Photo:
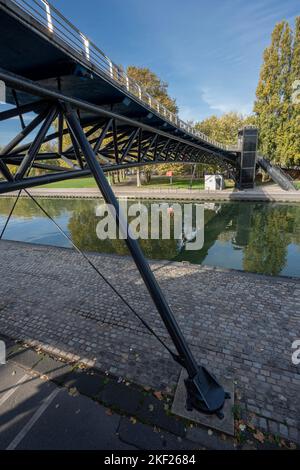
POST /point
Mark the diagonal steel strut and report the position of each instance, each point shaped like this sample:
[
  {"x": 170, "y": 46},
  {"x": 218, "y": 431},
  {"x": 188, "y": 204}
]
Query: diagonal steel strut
[
  {"x": 204, "y": 392},
  {"x": 122, "y": 143}
]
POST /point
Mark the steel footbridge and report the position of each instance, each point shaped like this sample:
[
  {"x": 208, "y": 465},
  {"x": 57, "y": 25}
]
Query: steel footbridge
[
  {"x": 63, "y": 88},
  {"x": 48, "y": 65}
]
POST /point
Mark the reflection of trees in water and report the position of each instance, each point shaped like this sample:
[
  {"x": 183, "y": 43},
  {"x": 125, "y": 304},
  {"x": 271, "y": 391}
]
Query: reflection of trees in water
[
  {"x": 215, "y": 224},
  {"x": 27, "y": 209},
  {"x": 82, "y": 226},
  {"x": 263, "y": 231},
  {"x": 269, "y": 237}
]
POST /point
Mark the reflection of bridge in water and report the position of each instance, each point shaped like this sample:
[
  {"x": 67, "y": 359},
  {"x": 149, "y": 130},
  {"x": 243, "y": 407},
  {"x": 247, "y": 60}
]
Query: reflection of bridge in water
[{"x": 263, "y": 234}]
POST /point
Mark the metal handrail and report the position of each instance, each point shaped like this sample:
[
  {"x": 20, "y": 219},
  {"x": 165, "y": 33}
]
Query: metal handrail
[{"x": 62, "y": 30}]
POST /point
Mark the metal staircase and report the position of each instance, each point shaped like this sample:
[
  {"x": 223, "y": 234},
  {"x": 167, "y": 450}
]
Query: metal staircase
[{"x": 277, "y": 174}]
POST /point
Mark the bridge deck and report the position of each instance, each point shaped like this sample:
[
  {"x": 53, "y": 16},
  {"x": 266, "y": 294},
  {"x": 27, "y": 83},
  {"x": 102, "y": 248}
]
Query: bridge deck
[{"x": 56, "y": 55}]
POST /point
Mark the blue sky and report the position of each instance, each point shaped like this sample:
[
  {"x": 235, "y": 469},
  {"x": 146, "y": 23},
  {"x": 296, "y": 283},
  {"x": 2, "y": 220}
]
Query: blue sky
[{"x": 209, "y": 51}]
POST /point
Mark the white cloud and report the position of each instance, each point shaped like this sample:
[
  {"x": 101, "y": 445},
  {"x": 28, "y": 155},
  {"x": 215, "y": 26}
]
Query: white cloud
[
  {"x": 222, "y": 103},
  {"x": 187, "y": 113}
]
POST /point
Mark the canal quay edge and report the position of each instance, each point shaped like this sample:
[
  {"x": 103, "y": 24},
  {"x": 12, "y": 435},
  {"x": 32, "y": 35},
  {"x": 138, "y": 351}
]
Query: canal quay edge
[
  {"x": 255, "y": 366},
  {"x": 259, "y": 195}
]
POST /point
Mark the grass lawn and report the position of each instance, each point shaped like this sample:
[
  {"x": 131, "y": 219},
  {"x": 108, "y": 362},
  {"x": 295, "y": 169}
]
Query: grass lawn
[
  {"x": 76, "y": 183},
  {"x": 155, "y": 183},
  {"x": 178, "y": 183},
  {"x": 297, "y": 184}
]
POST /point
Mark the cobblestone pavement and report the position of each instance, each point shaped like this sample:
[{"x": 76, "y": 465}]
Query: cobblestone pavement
[{"x": 240, "y": 325}]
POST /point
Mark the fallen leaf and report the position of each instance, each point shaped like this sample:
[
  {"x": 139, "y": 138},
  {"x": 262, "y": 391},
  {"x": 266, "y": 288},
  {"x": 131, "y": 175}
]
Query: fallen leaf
[
  {"x": 251, "y": 426},
  {"x": 259, "y": 437},
  {"x": 109, "y": 412},
  {"x": 283, "y": 443},
  {"x": 158, "y": 395},
  {"x": 73, "y": 392}
]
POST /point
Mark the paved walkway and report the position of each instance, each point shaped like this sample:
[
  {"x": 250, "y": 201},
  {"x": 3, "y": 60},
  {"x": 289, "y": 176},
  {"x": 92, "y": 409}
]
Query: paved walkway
[
  {"x": 239, "y": 325},
  {"x": 264, "y": 193},
  {"x": 37, "y": 414},
  {"x": 46, "y": 403}
]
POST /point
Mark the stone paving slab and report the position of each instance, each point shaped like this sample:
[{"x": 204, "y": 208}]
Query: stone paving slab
[
  {"x": 20, "y": 407},
  {"x": 240, "y": 326},
  {"x": 147, "y": 438},
  {"x": 159, "y": 430},
  {"x": 225, "y": 425},
  {"x": 74, "y": 423},
  {"x": 70, "y": 420},
  {"x": 26, "y": 358}
]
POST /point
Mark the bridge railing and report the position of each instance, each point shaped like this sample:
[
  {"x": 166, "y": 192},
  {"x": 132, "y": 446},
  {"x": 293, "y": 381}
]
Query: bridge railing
[{"x": 59, "y": 29}]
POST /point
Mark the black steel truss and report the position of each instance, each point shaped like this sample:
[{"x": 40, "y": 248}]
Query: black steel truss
[
  {"x": 118, "y": 142},
  {"x": 101, "y": 141}
]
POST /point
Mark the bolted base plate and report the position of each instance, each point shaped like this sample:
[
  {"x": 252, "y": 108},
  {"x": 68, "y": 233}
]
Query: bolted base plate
[
  {"x": 205, "y": 393},
  {"x": 225, "y": 425}
]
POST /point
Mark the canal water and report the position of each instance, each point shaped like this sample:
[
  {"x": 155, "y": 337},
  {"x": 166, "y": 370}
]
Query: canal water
[{"x": 255, "y": 237}]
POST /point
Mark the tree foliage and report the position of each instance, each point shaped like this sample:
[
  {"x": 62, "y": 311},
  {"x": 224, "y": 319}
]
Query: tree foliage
[
  {"x": 176, "y": 168},
  {"x": 277, "y": 115},
  {"x": 153, "y": 85},
  {"x": 225, "y": 128}
]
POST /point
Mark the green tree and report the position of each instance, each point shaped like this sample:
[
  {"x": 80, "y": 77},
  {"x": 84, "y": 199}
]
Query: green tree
[
  {"x": 294, "y": 134},
  {"x": 176, "y": 168},
  {"x": 225, "y": 128},
  {"x": 158, "y": 89},
  {"x": 153, "y": 85},
  {"x": 267, "y": 101},
  {"x": 284, "y": 113},
  {"x": 277, "y": 115}
]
